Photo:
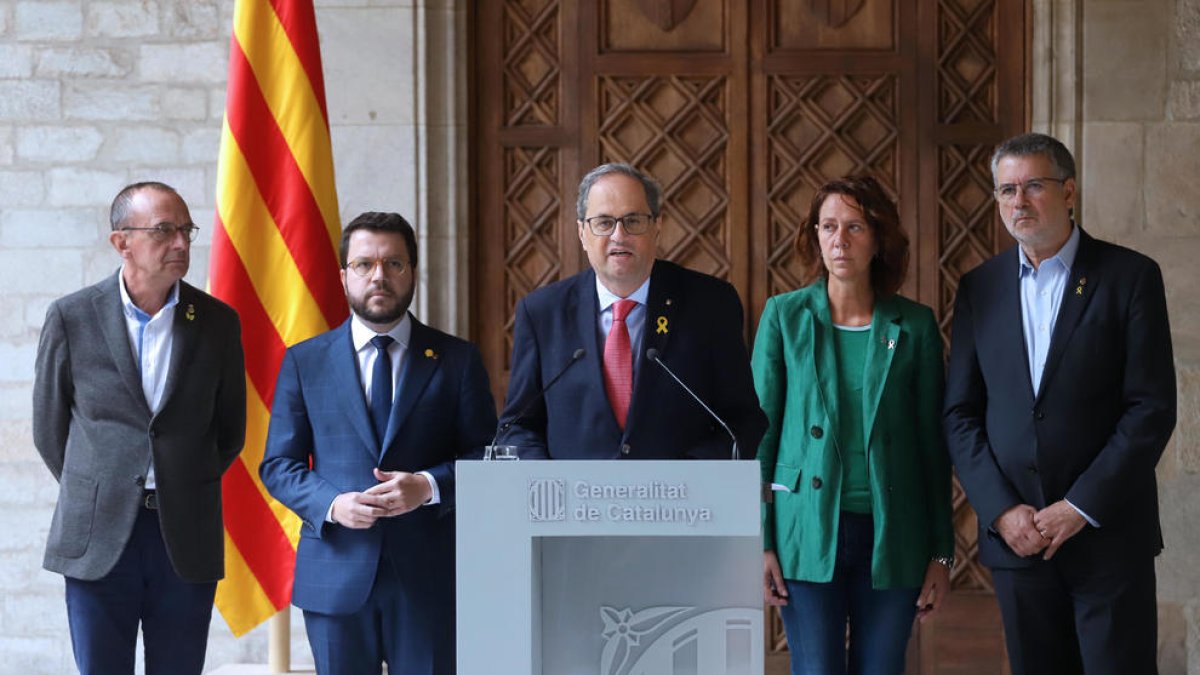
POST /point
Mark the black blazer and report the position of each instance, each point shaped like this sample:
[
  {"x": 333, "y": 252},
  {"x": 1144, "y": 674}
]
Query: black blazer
[
  {"x": 693, "y": 320},
  {"x": 1103, "y": 414}
]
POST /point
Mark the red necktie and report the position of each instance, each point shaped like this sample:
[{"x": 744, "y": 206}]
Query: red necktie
[{"x": 618, "y": 362}]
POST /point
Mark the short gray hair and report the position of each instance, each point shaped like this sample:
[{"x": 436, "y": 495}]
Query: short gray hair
[
  {"x": 653, "y": 191},
  {"x": 119, "y": 211},
  {"x": 1026, "y": 145}
]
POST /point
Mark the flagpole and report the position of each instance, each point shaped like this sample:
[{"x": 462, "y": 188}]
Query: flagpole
[{"x": 279, "y": 647}]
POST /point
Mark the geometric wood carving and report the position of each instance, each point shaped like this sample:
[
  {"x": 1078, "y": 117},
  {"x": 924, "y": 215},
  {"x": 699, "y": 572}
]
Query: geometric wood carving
[
  {"x": 666, "y": 14},
  {"x": 966, "y": 233},
  {"x": 675, "y": 129},
  {"x": 966, "y": 61},
  {"x": 531, "y": 63},
  {"x": 822, "y": 127},
  {"x": 532, "y": 229}
]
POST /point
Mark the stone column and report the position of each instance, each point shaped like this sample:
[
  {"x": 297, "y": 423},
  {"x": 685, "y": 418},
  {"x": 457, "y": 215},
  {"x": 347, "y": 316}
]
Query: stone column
[{"x": 396, "y": 77}]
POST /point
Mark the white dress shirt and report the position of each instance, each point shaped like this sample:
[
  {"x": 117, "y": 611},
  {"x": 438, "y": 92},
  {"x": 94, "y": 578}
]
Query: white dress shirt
[
  {"x": 365, "y": 352},
  {"x": 150, "y": 338},
  {"x": 1042, "y": 291}
]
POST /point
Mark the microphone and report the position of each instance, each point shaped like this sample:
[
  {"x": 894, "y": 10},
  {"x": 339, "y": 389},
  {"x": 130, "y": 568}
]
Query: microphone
[
  {"x": 652, "y": 354},
  {"x": 576, "y": 356}
]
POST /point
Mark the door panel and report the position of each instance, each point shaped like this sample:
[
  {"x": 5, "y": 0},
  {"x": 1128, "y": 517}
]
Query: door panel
[{"x": 741, "y": 110}]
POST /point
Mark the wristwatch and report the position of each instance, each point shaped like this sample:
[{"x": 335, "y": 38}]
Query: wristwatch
[{"x": 947, "y": 560}]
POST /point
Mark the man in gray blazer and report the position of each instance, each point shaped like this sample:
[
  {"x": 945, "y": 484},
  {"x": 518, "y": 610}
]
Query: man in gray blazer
[{"x": 139, "y": 406}]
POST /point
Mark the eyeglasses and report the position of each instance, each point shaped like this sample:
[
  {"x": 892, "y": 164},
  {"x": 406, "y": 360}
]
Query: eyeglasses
[
  {"x": 633, "y": 223},
  {"x": 1033, "y": 188},
  {"x": 167, "y": 231},
  {"x": 365, "y": 267}
]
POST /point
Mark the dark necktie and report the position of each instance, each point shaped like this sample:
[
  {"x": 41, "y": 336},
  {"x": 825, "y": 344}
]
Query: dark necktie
[
  {"x": 381, "y": 386},
  {"x": 618, "y": 362}
]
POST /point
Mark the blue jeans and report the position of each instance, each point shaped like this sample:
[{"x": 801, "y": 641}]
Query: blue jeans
[
  {"x": 142, "y": 589},
  {"x": 880, "y": 621}
]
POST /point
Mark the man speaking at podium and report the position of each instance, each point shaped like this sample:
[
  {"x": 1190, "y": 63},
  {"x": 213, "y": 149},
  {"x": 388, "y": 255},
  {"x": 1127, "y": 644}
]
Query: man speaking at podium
[{"x": 594, "y": 355}]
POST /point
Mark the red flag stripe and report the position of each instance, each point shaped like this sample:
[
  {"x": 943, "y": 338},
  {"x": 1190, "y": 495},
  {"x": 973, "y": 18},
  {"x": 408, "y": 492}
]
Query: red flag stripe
[
  {"x": 260, "y": 340},
  {"x": 257, "y": 534},
  {"x": 283, "y": 187}
]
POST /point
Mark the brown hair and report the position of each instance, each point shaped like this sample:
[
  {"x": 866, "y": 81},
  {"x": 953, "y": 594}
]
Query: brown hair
[
  {"x": 378, "y": 221},
  {"x": 889, "y": 267}
]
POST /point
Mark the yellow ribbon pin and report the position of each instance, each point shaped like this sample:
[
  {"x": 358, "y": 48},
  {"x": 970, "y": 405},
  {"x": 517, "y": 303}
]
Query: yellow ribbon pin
[
  {"x": 430, "y": 354},
  {"x": 190, "y": 314},
  {"x": 662, "y": 325}
]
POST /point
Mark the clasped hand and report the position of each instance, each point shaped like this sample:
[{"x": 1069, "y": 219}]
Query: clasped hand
[
  {"x": 396, "y": 493},
  {"x": 1028, "y": 531}
]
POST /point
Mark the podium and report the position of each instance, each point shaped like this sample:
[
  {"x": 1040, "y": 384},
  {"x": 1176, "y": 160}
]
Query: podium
[{"x": 609, "y": 567}]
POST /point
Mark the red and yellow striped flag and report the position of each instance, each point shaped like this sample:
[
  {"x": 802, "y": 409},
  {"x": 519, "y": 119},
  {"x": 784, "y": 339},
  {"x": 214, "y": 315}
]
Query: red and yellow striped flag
[{"x": 274, "y": 259}]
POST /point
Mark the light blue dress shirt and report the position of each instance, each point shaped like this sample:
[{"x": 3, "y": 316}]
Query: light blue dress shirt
[
  {"x": 151, "y": 338},
  {"x": 635, "y": 321},
  {"x": 1041, "y": 296},
  {"x": 1042, "y": 290}
]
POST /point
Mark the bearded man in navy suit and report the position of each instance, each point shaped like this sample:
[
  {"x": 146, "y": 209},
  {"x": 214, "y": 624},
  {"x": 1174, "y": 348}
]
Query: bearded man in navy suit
[
  {"x": 613, "y": 401},
  {"x": 367, "y": 422},
  {"x": 1059, "y": 402}
]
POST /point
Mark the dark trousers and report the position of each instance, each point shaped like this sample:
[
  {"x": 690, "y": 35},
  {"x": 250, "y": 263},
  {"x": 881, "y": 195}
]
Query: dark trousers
[
  {"x": 1073, "y": 616},
  {"x": 817, "y": 614},
  {"x": 413, "y": 637},
  {"x": 142, "y": 588}
]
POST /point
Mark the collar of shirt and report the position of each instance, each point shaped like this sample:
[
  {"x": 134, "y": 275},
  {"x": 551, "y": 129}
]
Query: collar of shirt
[
  {"x": 361, "y": 335},
  {"x": 607, "y": 297},
  {"x": 365, "y": 354},
  {"x": 151, "y": 341},
  {"x": 1064, "y": 258},
  {"x": 131, "y": 310}
]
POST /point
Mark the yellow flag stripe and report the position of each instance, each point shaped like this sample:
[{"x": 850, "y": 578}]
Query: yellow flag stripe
[
  {"x": 258, "y": 419},
  {"x": 240, "y": 599}
]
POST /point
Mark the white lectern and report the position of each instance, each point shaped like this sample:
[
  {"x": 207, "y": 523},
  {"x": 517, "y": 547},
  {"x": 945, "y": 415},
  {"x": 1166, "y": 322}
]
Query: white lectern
[{"x": 609, "y": 567}]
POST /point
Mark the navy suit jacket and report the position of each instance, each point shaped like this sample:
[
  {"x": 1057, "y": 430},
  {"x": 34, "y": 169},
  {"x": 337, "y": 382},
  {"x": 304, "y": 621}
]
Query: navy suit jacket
[
  {"x": 443, "y": 410},
  {"x": 1102, "y": 416},
  {"x": 693, "y": 320}
]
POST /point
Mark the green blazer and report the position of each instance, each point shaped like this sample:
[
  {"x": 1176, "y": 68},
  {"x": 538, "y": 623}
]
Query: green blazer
[{"x": 795, "y": 374}]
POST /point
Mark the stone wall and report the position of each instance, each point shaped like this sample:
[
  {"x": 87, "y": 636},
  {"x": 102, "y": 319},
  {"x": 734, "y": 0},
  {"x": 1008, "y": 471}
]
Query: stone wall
[
  {"x": 1140, "y": 166},
  {"x": 96, "y": 94}
]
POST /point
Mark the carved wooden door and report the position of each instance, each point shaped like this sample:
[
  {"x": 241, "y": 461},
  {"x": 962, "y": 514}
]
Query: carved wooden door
[{"x": 741, "y": 109}]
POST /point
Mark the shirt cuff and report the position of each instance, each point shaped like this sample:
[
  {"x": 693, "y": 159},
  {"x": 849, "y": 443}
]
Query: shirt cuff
[
  {"x": 1091, "y": 521},
  {"x": 436, "y": 495},
  {"x": 329, "y": 512}
]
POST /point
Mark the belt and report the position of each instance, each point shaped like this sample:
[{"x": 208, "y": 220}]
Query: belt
[{"x": 150, "y": 500}]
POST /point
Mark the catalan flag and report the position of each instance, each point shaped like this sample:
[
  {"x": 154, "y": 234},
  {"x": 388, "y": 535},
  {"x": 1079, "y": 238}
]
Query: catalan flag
[{"x": 274, "y": 259}]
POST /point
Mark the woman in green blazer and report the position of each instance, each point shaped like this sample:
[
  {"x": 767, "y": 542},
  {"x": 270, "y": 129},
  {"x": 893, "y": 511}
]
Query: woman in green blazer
[{"x": 850, "y": 376}]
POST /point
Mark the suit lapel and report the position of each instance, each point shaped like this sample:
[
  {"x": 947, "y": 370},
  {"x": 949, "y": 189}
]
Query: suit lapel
[
  {"x": 1079, "y": 289},
  {"x": 343, "y": 365},
  {"x": 584, "y": 306},
  {"x": 420, "y": 362},
  {"x": 824, "y": 356},
  {"x": 881, "y": 350},
  {"x": 662, "y": 306},
  {"x": 111, "y": 319},
  {"x": 184, "y": 327},
  {"x": 1005, "y": 325}
]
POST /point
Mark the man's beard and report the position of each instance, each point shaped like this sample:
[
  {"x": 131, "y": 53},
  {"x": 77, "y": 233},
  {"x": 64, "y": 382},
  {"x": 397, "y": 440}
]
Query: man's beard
[{"x": 382, "y": 315}]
